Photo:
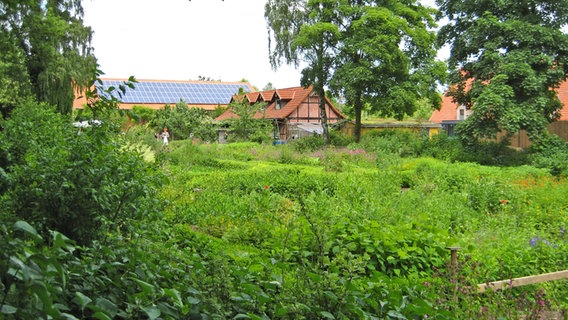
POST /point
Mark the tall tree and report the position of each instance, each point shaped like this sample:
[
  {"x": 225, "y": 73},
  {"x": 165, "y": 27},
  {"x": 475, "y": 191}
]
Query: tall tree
[
  {"x": 508, "y": 57},
  {"x": 304, "y": 31},
  {"x": 387, "y": 57},
  {"x": 48, "y": 40}
]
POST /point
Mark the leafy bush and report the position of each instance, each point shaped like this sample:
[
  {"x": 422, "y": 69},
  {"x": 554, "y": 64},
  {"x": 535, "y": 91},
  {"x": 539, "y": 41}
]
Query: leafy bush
[
  {"x": 550, "y": 152},
  {"x": 339, "y": 139},
  {"x": 141, "y": 114},
  {"x": 310, "y": 143},
  {"x": 79, "y": 182},
  {"x": 184, "y": 122},
  {"x": 249, "y": 123},
  {"x": 399, "y": 142},
  {"x": 443, "y": 147}
]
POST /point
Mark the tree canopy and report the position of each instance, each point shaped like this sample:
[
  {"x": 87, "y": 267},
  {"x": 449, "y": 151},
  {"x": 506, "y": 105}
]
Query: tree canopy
[
  {"x": 386, "y": 57},
  {"x": 48, "y": 52},
  {"x": 508, "y": 58},
  {"x": 377, "y": 52}
]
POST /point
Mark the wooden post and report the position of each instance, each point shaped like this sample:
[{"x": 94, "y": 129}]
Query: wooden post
[
  {"x": 453, "y": 269},
  {"x": 453, "y": 258}
]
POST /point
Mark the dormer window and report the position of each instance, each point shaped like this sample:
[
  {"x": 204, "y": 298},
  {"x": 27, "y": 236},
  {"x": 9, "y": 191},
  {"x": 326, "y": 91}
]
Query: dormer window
[
  {"x": 462, "y": 113},
  {"x": 279, "y": 104}
]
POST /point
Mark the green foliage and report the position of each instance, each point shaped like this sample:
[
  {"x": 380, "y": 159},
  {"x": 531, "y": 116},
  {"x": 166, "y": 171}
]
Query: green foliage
[
  {"x": 80, "y": 182},
  {"x": 184, "y": 122},
  {"x": 339, "y": 139},
  {"x": 506, "y": 63},
  {"x": 424, "y": 109},
  {"x": 550, "y": 152},
  {"x": 400, "y": 142},
  {"x": 384, "y": 238},
  {"x": 408, "y": 143},
  {"x": 219, "y": 110},
  {"x": 141, "y": 114},
  {"x": 386, "y": 58},
  {"x": 47, "y": 51},
  {"x": 249, "y": 123},
  {"x": 311, "y": 143},
  {"x": 444, "y": 147},
  {"x": 304, "y": 31},
  {"x": 236, "y": 234}
]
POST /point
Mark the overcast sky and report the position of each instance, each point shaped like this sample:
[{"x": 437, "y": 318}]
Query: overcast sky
[{"x": 182, "y": 39}]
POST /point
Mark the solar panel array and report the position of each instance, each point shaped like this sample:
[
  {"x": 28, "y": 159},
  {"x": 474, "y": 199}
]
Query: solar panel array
[{"x": 173, "y": 92}]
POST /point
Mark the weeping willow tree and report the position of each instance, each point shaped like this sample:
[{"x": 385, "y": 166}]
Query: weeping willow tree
[{"x": 49, "y": 48}]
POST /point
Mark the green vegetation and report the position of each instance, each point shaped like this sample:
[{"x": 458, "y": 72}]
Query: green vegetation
[
  {"x": 371, "y": 53},
  {"x": 46, "y": 52},
  {"x": 507, "y": 57},
  {"x": 253, "y": 231},
  {"x": 184, "y": 122},
  {"x": 101, "y": 221}
]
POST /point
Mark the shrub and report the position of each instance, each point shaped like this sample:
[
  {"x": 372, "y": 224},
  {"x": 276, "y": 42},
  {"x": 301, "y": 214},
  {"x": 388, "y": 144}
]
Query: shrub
[
  {"x": 339, "y": 139},
  {"x": 550, "y": 152},
  {"x": 310, "y": 143},
  {"x": 444, "y": 147},
  {"x": 76, "y": 181},
  {"x": 400, "y": 142},
  {"x": 184, "y": 122},
  {"x": 141, "y": 114}
]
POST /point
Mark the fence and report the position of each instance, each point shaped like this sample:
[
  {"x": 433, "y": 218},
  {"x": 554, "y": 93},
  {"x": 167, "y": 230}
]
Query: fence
[
  {"x": 521, "y": 139},
  {"x": 517, "y": 282},
  {"x": 509, "y": 283}
]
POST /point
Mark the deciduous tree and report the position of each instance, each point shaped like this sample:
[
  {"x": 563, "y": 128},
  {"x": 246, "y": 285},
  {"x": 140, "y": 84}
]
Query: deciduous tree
[
  {"x": 508, "y": 57},
  {"x": 386, "y": 57}
]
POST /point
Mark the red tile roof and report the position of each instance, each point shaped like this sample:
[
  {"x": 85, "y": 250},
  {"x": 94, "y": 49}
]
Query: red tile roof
[
  {"x": 448, "y": 110},
  {"x": 292, "y": 96}
]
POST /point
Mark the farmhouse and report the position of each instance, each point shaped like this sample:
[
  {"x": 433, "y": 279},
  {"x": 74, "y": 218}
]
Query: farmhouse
[
  {"x": 451, "y": 113},
  {"x": 294, "y": 111},
  {"x": 155, "y": 94}
]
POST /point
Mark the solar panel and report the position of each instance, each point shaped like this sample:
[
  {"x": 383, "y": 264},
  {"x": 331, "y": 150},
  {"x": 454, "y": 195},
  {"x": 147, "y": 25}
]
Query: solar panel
[{"x": 173, "y": 92}]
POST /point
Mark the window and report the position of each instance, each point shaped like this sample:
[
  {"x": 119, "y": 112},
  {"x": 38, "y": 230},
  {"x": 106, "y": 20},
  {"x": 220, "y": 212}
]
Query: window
[
  {"x": 279, "y": 104},
  {"x": 462, "y": 113}
]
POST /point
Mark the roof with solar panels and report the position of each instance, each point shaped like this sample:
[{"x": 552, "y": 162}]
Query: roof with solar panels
[{"x": 156, "y": 94}]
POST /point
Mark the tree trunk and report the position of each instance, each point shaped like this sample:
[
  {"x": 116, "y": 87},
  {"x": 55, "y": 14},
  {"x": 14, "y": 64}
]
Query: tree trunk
[
  {"x": 323, "y": 115},
  {"x": 358, "y": 108}
]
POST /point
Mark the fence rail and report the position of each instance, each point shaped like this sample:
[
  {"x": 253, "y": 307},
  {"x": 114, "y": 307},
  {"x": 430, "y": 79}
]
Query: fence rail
[{"x": 517, "y": 282}]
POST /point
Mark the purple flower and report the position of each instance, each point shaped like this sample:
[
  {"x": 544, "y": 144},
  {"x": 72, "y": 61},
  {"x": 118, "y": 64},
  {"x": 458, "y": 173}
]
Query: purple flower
[{"x": 533, "y": 242}]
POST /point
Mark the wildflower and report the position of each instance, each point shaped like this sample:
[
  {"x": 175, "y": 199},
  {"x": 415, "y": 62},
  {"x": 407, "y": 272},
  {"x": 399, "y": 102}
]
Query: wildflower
[
  {"x": 483, "y": 309},
  {"x": 504, "y": 201},
  {"x": 266, "y": 187},
  {"x": 425, "y": 316},
  {"x": 533, "y": 242},
  {"x": 426, "y": 284}
]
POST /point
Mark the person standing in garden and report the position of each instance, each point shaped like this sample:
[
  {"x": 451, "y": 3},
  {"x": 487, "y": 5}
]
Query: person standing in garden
[{"x": 165, "y": 136}]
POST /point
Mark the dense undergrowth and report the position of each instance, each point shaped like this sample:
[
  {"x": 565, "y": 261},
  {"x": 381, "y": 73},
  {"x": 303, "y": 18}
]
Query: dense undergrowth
[{"x": 250, "y": 231}]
